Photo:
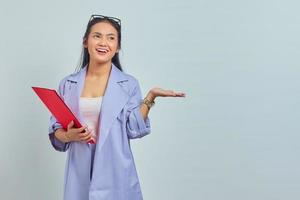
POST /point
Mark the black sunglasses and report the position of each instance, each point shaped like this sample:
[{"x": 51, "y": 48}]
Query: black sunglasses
[{"x": 117, "y": 20}]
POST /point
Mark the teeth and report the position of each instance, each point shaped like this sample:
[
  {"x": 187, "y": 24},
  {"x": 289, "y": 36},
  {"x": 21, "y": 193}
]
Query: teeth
[{"x": 102, "y": 50}]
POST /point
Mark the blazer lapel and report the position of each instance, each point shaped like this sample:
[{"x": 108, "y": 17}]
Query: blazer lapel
[
  {"x": 75, "y": 92},
  {"x": 115, "y": 98}
]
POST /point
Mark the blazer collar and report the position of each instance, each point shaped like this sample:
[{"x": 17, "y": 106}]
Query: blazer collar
[
  {"x": 116, "y": 75},
  {"x": 115, "y": 98}
]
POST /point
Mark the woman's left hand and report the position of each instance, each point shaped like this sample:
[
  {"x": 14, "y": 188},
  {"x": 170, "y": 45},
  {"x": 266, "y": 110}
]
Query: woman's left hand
[{"x": 159, "y": 92}]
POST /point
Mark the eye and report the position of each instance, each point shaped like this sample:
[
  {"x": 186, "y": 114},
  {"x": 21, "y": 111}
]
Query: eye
[
  {"x": 111, "y": 38},
  {"x": 96, "y": 36}
]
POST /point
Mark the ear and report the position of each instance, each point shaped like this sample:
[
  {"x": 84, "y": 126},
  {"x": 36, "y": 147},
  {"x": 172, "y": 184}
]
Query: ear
[{"x": 84, "y": 42}]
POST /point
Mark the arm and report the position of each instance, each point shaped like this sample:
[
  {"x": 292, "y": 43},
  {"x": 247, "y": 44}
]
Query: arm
[
  {"x": 137, "y": 121},
  {"x": 54, "y": 128},
  {"x": 157, "y": 92},
  {"x": 60, "y": 138},
  {"x": 136, "y": 118},
  {"x": 54, "y": 125}
]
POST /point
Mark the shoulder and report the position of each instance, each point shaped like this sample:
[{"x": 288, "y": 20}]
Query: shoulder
[
  {"x": 131, "y": 79},
  {"x": 68, "y": 79},
  {"x": 73, "y": 77},
  {"x": 129, "y": 82}
]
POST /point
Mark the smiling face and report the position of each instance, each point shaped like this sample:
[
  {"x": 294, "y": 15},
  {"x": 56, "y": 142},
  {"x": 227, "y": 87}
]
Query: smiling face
[{"x": 102, "y": 42}]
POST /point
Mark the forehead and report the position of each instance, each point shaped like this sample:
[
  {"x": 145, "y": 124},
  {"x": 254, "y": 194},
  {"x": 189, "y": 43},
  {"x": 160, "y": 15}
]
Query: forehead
[{"x": 103, "y": 27}]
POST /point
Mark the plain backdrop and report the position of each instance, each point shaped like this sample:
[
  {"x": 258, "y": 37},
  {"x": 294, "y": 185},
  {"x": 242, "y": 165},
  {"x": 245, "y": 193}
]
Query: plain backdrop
[{"x": 235, "y": 135}]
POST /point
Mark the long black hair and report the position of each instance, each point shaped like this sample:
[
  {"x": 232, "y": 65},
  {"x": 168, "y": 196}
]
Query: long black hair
[{"x": 85, "y": 56}]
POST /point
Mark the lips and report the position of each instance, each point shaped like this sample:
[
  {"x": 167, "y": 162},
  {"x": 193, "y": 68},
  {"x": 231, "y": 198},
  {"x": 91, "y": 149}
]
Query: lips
[{"x": 102, "y": 50}]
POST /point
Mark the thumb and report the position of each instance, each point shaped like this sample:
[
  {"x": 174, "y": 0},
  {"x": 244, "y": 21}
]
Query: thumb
[{"x": 70, "y": 125}]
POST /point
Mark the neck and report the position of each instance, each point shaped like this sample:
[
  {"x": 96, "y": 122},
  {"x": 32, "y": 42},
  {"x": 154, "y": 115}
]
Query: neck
[{"x": 98, "y": 70}]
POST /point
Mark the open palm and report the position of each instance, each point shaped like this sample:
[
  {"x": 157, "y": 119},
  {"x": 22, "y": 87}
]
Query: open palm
[{"x": 159, "y": 92}]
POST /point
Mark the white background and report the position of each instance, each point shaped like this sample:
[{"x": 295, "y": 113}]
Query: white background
[{"x": 236, "y": 134}]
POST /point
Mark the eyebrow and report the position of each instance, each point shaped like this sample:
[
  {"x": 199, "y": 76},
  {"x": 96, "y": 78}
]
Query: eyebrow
[{"x": 109, "y": 34}]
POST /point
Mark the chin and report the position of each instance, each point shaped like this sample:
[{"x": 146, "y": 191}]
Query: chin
[{"x": 102, "y": 61}]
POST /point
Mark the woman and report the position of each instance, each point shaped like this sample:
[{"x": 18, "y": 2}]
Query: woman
[{"x": 100, "y": 165}]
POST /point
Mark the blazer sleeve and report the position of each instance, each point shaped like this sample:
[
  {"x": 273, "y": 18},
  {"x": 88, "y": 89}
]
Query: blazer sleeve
[
  {"x": 136, "y": 126},
  {"x": 54, "y": 125}
]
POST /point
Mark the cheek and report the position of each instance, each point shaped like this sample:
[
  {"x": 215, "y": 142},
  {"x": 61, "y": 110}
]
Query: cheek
[
  {"x": 90, "y": 42},
  {"x": 115, "y": 46},
  {"x": 91, "y": 48}
]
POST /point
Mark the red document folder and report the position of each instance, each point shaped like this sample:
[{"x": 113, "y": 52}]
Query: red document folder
[{"x": 58, "y": 108}]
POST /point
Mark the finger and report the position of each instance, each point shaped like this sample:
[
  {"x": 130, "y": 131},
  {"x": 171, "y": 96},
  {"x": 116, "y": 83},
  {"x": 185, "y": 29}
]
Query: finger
[
  {"x": 167, "y": 92},
  {"x": 87, "y": 137},
  {"x": 170, "y": 93},
  {"x": 70, "y": 125},
  {"x": 82, "y": 129},
  {"x": 180, "y": 94},
  {"x": 90, "y": 139},
  {"x": 84, "y": 134}
]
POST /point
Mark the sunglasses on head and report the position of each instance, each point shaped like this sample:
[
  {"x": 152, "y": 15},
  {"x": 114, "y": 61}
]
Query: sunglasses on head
[{"x": 117, "y": 20}]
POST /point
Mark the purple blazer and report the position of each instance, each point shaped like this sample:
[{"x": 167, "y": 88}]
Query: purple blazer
[{"x": 114, "y": 176}]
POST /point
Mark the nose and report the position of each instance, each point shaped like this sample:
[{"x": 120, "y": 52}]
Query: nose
[{"x": 102, "y": 42}]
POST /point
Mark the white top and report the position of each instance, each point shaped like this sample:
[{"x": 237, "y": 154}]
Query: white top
[{"x": 90, "y": 108}]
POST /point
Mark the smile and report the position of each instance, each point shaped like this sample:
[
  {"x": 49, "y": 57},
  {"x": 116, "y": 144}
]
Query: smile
[{"x": 101, "y": 50}]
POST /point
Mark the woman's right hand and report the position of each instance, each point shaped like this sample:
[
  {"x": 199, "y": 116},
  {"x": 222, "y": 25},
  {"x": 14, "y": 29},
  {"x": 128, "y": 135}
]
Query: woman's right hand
[{"x": 82, "y": 134}]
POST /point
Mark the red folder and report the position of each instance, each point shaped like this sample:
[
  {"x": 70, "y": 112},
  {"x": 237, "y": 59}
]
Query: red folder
[{"x": 58, "y": 108}]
